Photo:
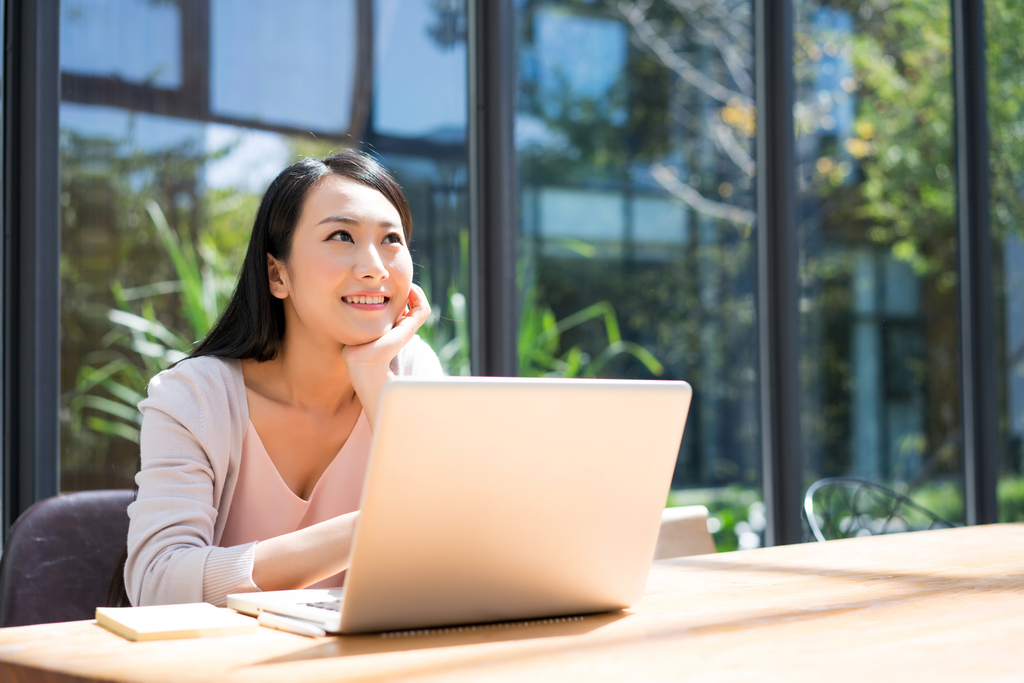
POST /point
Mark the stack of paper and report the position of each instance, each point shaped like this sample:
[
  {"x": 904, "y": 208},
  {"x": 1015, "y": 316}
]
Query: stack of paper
[{"x": 167, "y": 622}]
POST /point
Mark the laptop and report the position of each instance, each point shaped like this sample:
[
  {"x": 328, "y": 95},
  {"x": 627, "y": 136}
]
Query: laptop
[{"x": 501, "y": 499}]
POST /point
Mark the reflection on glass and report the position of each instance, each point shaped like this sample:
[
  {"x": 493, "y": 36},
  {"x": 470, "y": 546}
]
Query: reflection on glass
[
  {"x": 418, "y": 126},
  {"x": 288, "y": 64},
  {"x": 880, "y": 353},
  {"x": 420, "y": 70},
  {"x": 157, "y": 205},
  {"x": 1004, "y": 24},
  {"x": 134, "y": 40},
  {"x": 437, "y": 192},
  {"x": 635, "y": 134}
]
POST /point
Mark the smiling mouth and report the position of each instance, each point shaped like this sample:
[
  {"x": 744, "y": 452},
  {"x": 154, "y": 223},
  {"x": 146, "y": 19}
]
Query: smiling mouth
[{"x": 378, "y": 299}]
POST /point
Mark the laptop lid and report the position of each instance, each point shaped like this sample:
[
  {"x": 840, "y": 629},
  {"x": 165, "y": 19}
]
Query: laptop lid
[{"x": 493, "y": 499}]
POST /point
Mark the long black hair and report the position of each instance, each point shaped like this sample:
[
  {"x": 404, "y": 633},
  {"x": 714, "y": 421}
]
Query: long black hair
[{"x": 252, "y": 325}]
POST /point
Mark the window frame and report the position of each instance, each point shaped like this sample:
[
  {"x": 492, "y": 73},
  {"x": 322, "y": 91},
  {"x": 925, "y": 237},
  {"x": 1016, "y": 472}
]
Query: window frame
[
  {"x": 31, "y": 256},
  {"x": 977, "y": 303}
]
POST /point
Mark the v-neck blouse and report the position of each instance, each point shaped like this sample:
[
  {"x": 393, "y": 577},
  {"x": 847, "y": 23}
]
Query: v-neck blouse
[{"x": 264, "y": 507}]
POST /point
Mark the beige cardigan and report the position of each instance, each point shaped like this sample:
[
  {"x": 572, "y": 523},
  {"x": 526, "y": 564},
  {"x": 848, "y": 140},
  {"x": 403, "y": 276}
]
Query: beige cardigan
[{"x": 193, "y": 423}]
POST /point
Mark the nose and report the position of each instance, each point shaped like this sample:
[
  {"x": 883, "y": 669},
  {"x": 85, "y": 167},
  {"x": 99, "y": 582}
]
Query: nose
[{"x": 369, "y": 265}]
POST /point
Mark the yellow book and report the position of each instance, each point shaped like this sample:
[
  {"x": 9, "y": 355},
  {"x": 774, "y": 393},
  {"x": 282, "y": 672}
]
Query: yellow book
[{"x": 168, "y": 622}]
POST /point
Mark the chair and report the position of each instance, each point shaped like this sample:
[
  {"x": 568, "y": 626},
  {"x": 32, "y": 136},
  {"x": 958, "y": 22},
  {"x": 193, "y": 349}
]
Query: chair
[
  {"x": 844, "y": 507},
  {"x": 60, "y": 557},
  {"x": 684, "y": 531}
]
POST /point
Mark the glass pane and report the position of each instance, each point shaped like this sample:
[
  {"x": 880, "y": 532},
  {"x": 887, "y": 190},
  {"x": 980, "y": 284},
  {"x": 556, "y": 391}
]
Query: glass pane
[
  {"x": 156, "y": 210},
  {"x": 635, "y": 135},
  {"x": 420, "y": 70},
  {"x": 1004, "y": 24},
  {"x": 138, "y": 41},
  {"x": 880, "y": 351},
  {"x": 437, "y": 192},
  {"x": 419, "y": 103},
  {"x": 288, "y": 64}
]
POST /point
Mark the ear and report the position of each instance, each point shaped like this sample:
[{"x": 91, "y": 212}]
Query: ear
[{"x": 277, "y": 275}]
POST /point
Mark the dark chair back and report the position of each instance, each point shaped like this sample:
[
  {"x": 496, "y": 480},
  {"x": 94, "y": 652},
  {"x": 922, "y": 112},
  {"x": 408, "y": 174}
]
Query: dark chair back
[
  {"x": 845, "y": 507},
  {"x": 60, "y": 556}
]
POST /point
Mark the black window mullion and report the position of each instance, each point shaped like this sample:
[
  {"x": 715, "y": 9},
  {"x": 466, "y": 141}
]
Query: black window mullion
[
  {"x": 777, "y": 246},
  {"x": 493, "y": 198},
  {"x": 31, "y": 259},
  {"x": 978, "y": 375}
]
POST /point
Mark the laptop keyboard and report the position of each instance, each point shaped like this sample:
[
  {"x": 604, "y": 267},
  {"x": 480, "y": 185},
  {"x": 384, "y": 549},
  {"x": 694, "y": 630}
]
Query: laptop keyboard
[{"x": 330, "y": 605}]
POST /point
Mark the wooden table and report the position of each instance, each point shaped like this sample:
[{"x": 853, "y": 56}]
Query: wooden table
[{"x": 936, "y": 605}]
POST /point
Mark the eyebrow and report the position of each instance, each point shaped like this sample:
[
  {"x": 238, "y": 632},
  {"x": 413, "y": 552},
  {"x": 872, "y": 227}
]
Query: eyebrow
[{"x": 348, "y": 220}]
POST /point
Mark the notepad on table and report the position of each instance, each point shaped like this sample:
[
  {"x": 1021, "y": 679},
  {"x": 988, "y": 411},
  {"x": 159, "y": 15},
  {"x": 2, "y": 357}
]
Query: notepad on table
[{"x": 168, "y": 622}]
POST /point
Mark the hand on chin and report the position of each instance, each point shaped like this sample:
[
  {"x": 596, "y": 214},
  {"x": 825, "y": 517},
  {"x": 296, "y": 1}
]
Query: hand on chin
[{"x": 375, "y": 356}]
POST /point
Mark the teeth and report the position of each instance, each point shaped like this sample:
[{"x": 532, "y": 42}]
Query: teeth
[{"x": 365, "y": 299}]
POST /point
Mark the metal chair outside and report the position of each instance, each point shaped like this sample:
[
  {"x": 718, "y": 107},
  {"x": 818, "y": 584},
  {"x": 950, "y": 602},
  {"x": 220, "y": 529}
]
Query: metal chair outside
[{"x": 845, "y": 507}]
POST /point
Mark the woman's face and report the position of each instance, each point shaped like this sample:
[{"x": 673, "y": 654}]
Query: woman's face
[{"x": 348, "y": 277}]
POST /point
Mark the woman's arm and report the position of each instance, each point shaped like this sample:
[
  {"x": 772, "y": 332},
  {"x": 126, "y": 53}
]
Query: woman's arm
[
  {"x": 368, "y": 364},
  {"x": 301, "y": 558},
  {"x": 190, "y": 413}
]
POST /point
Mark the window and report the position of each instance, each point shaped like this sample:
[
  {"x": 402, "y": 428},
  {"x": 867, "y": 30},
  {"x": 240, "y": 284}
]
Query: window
[
  {"x": 647, "y": 244},
  {"x": 635, "y": 135},
  {"x": 1004, "y": 63},
  {"x": 174, "y": 118},
  {"x": 877, "y": 211}
]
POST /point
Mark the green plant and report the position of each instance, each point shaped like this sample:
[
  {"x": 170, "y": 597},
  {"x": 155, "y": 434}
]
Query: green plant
[
  {"x": 943, "y": 497},
  {"x": 111, "y": 382},
  {"x": 451, "y": 346},
  {"x": 540, "y": 342},
  {"x": 1010, "y": 493}
]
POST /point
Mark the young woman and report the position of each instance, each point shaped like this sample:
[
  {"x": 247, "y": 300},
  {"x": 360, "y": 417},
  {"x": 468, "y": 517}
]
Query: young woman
[{"x": 254, "y": 448}]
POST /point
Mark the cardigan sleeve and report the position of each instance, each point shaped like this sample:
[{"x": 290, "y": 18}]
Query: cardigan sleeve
[
  {"x": 185, "y": 442},
  {"x": 417, "y": 358}
]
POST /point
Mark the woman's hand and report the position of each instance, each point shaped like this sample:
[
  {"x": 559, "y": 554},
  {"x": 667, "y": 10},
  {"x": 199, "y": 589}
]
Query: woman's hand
[
  {"x": 301, "y": 558},
  {"x": 369, "y": 364}
]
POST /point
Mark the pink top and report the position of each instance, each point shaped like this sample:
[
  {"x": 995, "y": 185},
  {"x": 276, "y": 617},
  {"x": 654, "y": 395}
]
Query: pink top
[{"x": 264, "y": 507}]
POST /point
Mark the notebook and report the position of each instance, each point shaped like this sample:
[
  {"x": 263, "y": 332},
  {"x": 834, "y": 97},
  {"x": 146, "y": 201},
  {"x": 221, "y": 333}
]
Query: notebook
[
  {"x": 169, "y": 622},
  {"x": 496, "y": 499}
]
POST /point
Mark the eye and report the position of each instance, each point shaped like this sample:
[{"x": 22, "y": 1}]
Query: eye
[
  {"x": 393, "y": 238},
  {"x": 340, "y": 236}
]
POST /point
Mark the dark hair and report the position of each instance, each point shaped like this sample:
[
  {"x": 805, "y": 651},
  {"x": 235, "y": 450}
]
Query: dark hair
[{"x": 252, "y": 325}]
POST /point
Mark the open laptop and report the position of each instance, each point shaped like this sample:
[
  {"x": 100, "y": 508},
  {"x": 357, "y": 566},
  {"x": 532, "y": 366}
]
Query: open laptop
[{"x": 497, "y": 499}]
